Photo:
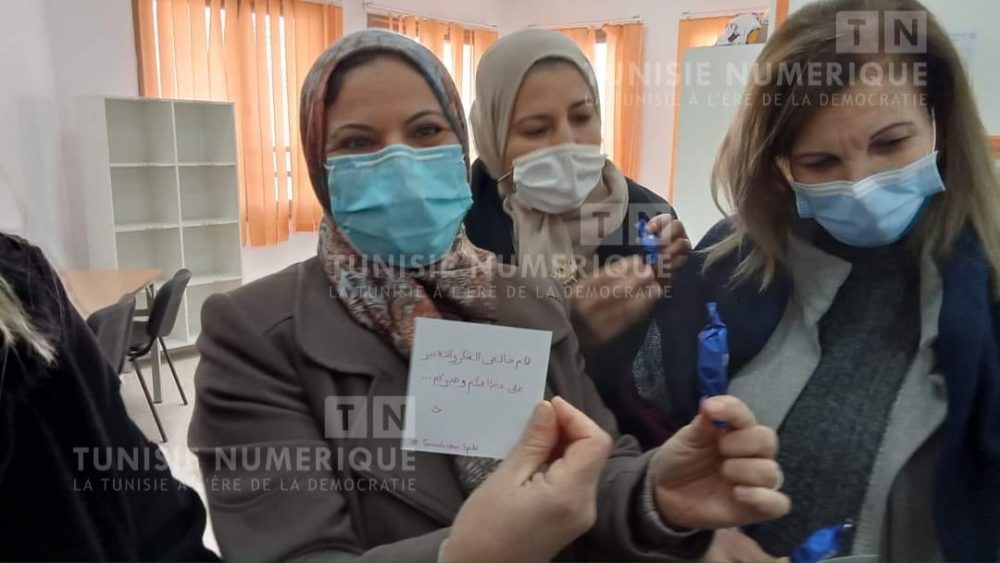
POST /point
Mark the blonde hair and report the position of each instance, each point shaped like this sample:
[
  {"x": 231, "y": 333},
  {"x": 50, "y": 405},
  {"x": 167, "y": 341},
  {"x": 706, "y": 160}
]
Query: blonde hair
[
  {"x": 16, "y": 327},
  {"x": 749, "y": 174}
]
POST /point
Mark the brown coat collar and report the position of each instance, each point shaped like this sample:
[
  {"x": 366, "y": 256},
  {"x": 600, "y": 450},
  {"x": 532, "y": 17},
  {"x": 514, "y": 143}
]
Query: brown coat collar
[
  {"x": 328, "y": 337},
  {"x": 321, "y": 321}
]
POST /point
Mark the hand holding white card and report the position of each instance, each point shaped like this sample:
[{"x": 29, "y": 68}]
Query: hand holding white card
[{"x": 473, "y": 387}]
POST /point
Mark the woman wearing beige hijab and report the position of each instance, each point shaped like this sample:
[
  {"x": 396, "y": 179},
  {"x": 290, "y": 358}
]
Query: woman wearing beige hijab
[{"x": 544, "y": 195}]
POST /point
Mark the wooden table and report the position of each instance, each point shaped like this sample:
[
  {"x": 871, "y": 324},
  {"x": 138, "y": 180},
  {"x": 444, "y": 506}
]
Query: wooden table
[{"x": 92, "y": 290}]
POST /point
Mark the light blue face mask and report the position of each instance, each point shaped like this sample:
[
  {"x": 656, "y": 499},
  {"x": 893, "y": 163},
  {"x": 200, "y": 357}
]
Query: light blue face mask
[
  {"x": 400, "y": 205},
  {"x": 876, "y": 211}
]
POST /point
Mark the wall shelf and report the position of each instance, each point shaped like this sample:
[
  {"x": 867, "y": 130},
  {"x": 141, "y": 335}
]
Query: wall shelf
[
  {"x": 142, "y": 165},
  {"x": 209, "y": 222},
  {"x": 135, "y": 227},
  {"x": 162, "y": 192}
]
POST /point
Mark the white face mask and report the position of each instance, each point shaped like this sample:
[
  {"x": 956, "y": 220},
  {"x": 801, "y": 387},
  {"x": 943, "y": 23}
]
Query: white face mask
[{"x": 557, "y": 179}]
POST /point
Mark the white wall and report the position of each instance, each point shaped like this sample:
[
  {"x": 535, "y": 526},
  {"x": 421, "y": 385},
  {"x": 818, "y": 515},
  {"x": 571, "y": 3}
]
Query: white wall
[
  {"x": 978, "y": 17},
  {"x": 708, "y": 107},
  {"x": 50, "y": 52},
  {"x": 32, "y": 199},
  {"x": 93, "y": 53}
]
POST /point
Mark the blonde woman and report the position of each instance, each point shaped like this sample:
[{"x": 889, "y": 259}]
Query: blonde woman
[
  {"x": 858, "y": 276},
  {"x": 63, "y": 495}
]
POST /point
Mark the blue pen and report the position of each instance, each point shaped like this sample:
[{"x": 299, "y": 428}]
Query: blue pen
[
  {"x": 713, "y": 357},
  {"x": 649, "y": 241},
  {"x": 823, "y": 544}
]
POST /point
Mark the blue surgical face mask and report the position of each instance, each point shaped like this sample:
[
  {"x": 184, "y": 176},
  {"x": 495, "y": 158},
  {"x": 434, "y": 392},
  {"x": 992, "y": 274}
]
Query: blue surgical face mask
[
  {"x": 400, "y": 205},
  {"x": 876, "y": 211}
]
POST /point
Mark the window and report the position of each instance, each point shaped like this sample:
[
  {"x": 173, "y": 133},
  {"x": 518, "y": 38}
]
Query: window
[
  {"x": 255, "y": 54},
  {"x": 447, "y": 36},
  {"x": 614, "y": 50},
  {"x": 601, "y": 69},
  {"x": 278, "y": 116}
]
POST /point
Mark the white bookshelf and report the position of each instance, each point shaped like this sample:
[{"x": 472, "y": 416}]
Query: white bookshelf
[{"x": 161, "y": 191}]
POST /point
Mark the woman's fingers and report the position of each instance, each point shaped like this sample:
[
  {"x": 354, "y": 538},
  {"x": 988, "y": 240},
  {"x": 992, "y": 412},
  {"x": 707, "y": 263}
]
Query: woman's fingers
[
  {"x": 678, "y": 248},
  {"x": 670, "y": 230},
  {"x": 631, "y": 269},
  {"x": 674, "y": 246},
  {"x": 587, "y": 445},
  {"x": 730, "y": 410},
  {"x": 752, "y": 472},
  {"x": 737, "y": 416},
  {"x": 671, "y": 260},
  {"x": 768, "y": 504},
  {"x": 733, "y": 546},
  {"x": 759, "y": 441},
  {"x": 700, "y": 432},
  {"x": 532, "y": 451},
  {"x": 656, "y": 224},
  {"x": 630, "y": 278}
]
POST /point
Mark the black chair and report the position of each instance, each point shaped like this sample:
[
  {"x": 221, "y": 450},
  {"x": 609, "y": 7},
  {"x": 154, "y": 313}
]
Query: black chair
[
  {"x": 113, "y": 328},
  {"x": 161, "y": 320}
]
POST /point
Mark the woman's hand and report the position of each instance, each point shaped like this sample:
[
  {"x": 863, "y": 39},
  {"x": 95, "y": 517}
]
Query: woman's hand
[
  {"x": 622, "y": 293},
  {"x": 526, "y": 512},
  {"x": 731, "y": 546},
  {"x": 674, "y": 246},
  {"x": 707, "y": 477},
  {"x": 619, "y": 295}
]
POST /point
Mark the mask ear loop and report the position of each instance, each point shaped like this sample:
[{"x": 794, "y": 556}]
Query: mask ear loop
[
  {"x": 933, "y": 131},
  {"x": 508, "y": 174}
]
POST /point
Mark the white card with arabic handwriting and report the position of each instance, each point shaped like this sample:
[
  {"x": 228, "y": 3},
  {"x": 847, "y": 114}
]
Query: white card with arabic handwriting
[{"x": 473, "y": 387}]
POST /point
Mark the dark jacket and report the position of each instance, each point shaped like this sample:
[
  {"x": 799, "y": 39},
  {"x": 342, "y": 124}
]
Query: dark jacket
[
  {"x": 276, "y": 352},
  {"x": 55, "y": 501},
  {"x": 490, "y": 228},
  {"x": 966, "y": 492}
]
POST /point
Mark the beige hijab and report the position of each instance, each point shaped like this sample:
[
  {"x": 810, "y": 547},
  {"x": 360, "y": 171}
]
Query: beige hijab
[{"x": 555, "y": 238}]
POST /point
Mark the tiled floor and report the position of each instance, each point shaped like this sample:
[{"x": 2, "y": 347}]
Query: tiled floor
[{"x": 175, "y": 417}]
